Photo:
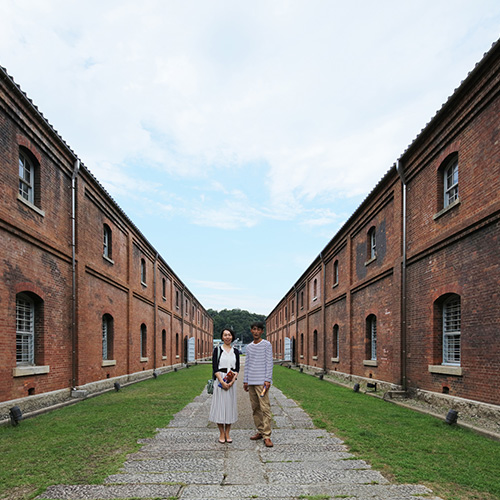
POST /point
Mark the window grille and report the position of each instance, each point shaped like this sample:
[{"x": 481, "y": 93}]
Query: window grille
[
  {"x": 107, "y": 242},
  {"x": 25, "y": 331},
  {"x": 451, "y": 183},
  {"x": 26, "y": 178},
  {"x": 373, "y": 244},
  {"x": 451, "y": 331},
  {"x": 373, "y": 337}
]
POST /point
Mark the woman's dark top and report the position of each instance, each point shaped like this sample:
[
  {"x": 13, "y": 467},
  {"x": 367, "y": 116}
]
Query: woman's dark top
[{"x": 215, "y": 361}]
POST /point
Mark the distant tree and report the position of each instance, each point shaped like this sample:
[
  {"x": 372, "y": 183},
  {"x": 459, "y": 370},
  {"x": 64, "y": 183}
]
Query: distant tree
[{"x": 238, "y": 320}]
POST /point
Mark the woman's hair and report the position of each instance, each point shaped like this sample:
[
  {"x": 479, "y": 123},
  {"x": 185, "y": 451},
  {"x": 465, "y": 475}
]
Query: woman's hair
[{"x": 230, "y": 331}]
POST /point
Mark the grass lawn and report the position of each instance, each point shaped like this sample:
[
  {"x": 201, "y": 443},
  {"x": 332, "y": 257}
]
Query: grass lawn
[
  {"x": 86, "y": 442},
  {"x": 406, "y": 446}
]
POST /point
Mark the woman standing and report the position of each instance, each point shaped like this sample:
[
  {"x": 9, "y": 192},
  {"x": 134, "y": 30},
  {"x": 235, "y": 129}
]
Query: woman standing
[{"x": 224, "y": 411}]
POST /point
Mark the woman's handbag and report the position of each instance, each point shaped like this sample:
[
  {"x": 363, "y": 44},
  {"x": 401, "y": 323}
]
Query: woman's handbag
[{"x": 210, "y": 386}]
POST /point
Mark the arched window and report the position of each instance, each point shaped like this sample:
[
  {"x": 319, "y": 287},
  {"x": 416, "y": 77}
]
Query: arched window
[
  {"x": 144, "y": 341},
  {"x": 143, "y": 271},
  {"x": 107, "y": 337},
  {"x": 164, "y": 343},
  {"x": 452, "y": 330},
  {"x": 315, "y": 343},
  {"x": 107, "y": 244},
  {"x": 371, "y": 337},
  {"x": 25, "y": 330},
  {"x": 335, "y": 341},
  {"x": 450, "y": 181}
]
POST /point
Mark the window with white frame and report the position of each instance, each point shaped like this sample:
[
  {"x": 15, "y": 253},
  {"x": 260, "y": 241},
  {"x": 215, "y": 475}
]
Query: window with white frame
[
  {"x": 107, "y": 337},
  {"x": 107, "y": 247},
  {"x": 450, "y": 182},
  {"x": 26, "y": 177},
  {"x": 371, "y": 333},
  {"x": 451, "y": 331},
  {"x": 25, "y": 330},
  {"x": 372, "y": 243}
]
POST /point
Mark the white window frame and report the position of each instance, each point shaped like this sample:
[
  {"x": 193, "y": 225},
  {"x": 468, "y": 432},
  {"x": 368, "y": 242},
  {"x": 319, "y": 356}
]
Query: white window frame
[
  {"x": 452, "y": 316},
  {"x": 25, "y": 331},
  {"x": 450, "y": 182},
  {"x": 107, "y": 242},
  {"x": 26, "y": 178},
  {"x": 373, "y": 243}
]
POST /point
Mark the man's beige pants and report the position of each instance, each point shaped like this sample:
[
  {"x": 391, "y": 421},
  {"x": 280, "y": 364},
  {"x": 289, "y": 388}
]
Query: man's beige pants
[{"x": 261, "y": 409}]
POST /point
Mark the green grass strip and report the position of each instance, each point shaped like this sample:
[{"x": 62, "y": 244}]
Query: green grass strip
[
  {"x": 86, "y": 442},
  {"x": 405, "y": 445}
]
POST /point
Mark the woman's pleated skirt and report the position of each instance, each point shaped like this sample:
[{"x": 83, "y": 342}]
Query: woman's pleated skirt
[{"x": 223, "y": 409}]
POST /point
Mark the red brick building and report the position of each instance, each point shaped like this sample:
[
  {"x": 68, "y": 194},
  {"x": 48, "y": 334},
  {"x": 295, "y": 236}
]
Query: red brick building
[
  {"x": 85, "y": 299},
  {"x": 406, "y": 294}
]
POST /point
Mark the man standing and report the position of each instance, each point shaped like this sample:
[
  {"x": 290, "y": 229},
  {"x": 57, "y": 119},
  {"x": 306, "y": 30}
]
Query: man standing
[{"x": 257, "y": 380}]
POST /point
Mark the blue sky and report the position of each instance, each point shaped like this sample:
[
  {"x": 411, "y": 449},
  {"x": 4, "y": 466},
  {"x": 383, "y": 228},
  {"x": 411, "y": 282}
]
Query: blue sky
[{"x": 240, "y": 136}]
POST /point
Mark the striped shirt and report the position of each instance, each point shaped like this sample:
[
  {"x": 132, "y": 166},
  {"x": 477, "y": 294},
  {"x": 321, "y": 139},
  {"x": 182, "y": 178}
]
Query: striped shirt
[{"x": 258, "y": 363}]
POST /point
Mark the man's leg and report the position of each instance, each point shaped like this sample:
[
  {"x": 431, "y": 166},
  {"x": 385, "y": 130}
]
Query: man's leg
[
  {"x": 266, "y": 415},
  {"x": 254, "y": 393}
]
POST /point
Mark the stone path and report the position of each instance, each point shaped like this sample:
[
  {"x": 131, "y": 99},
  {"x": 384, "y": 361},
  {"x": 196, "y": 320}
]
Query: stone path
[{"x": 185, "y": 461}]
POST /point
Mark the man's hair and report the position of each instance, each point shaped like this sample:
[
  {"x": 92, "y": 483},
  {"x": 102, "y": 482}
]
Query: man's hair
[{"x": 257, "y": 324}]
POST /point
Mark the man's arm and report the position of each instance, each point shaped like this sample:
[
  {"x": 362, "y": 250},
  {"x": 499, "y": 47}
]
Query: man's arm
[{"x": 269, "y": 365}]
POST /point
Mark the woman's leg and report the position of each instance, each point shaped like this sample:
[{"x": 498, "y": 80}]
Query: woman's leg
[
  {"x": 222, "y": 437},
  {"x": 228, "y": 429}
]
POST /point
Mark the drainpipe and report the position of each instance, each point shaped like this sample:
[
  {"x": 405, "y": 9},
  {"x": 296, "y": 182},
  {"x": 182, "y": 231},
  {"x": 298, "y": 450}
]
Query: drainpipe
[
  {"x": 155, "y": 265},
  {"x": 399, "y": 168},
  {"x": 323, "y": 308},
  {"x": 76, "y": 168}
]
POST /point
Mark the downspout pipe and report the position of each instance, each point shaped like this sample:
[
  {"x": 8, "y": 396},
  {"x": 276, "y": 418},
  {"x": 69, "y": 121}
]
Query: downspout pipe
[
  {"x": 155, "y": 265},
  {"x": 76, "y": 168},
  {"x": 323, "y": 309},
  {"x": 399, "y": 168}
]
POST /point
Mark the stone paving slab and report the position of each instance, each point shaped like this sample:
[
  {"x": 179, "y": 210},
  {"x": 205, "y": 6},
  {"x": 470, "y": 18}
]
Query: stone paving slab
[
  {"x": 91, "y": 492},
  {"x": 185, "y": 461},
  {"x": 292, "y": 492}
]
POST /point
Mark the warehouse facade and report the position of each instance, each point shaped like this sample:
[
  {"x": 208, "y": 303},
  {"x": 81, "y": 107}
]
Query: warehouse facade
[
  {"x": 406, "y": 294},
  {"x": 86, "y": 300}
]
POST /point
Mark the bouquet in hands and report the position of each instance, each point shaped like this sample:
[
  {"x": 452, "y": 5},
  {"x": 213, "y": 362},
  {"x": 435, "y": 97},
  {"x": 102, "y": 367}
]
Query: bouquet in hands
[{"x": 229, "y": 376}]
